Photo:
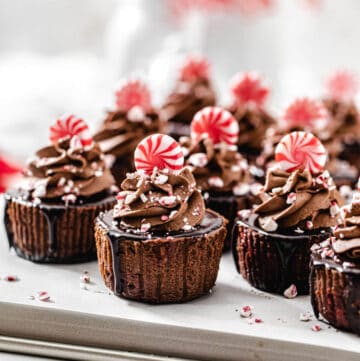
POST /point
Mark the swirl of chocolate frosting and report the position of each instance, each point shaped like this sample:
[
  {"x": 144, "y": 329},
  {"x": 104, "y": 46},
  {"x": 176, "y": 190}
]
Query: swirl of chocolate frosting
[
  {"x": 219, "y": 168},
  {"x": 298, "y": 199},
  {"x": 121, "y": 131},
  {"x": 347, "y": 235},
  {"x": 186, "y": 99},
  {"x": 161, "y": 201},
  {"x": 253, "y": 124},
  {"x": 67, "y": 168}
]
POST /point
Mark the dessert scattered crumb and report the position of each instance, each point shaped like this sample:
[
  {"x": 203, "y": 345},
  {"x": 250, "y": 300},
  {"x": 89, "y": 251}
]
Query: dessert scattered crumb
[
  {"x": 246, "y": 311},
  {"x": 11, "y": 278},
  {"x": 316, "y": 328},
  {"x": 43, "y": 296},
  {"x": 305, "y": 316},
  {"x": 85, "y": 277},
  {"x": 290, "y": 292}
]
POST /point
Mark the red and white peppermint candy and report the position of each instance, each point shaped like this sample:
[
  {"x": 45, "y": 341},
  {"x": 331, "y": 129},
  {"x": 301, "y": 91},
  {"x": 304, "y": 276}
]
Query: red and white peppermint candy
[
  {"x": 249, "y": 89},
  {"x": 69, "y": 127},
  {"x": 158, "y": 151},
  {"x": 301, "y": 150},
  {"x": 133, "y": 93},
  {"x": 217, "y": 123},
  {"x": 195, "y": 68},
  {"x": 305, "y": 113},
  {"x": 342, "y": 85}
]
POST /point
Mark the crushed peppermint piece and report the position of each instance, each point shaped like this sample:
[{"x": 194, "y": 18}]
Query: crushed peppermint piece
[
  {"x": 143, "y": 198},
  {"x": 334, "y": 209},
  {"x": 216, "y": 182},
  {"x": 145, "y": 227},
  {"x": 316, "y": 328},
  {"x": 291, "y": 198},
  {"x": 69, "y": 199},
  {"x": 276, "y": 190},
  {"x": 258, "y": 320},
  {"x": 309, "y": 225},
  {"x": 43, "y": 296},
  {"x": 256, "y": 171},
  {"x": 290, "y": 292},
  {"x": 130, "y": 198},
  {"x": 246, "y": 311},
  {"x": 198, "y": 160},
  {"x": 256, "y": 188},
  {"x": 161, "y": 179},
  {"x": 244, "y": 214},
  {"x": 187, "y": 227},
  {"x": 164, "y": 217},
  {"x": 268, "y": 224},
  {"x": 11, "y": 278},
  {"x": 85, "y": 278},
  {"x": 299, "y": 230},
  {"x": 241, "y": 189},
  {"x": 173, "y": 214},
  {"x": 305, "y": 316},
  {"x": 31, "y": 298},
  {"x": 167, "y": 201}
]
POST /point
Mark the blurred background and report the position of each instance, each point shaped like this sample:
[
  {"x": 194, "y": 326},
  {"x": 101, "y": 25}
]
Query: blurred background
[{"x": 66, "y": 56}]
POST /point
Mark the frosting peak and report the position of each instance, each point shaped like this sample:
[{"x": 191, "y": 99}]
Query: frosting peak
[
  {"x": 161, "y": 201},
  {"x": 298, "y": 199}
]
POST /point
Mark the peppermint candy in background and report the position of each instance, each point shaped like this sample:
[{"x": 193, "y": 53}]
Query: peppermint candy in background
[
  {"x": 306, "y": 114},
  {"x": 248, "y": 89},
  {"x": 195, "y": 68},
  {"x": 342, "y": 86},
  {"x": 300, "y": 150},
  {"x": 133, "y": 93},
  {"x": 216, "y": 123},
  {"x": 158, "y": 151},
  {"x": 70, "y": 127},
  {"x": 8, "y": 173}
]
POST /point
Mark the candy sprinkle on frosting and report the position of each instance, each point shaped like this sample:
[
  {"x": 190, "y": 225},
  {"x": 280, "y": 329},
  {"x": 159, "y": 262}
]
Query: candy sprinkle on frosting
[
  {"x": 300, "y": 150},
  {"x": 158, "y": 151},
  {"x": 216, "y": 123},
  {"x": 249, "y": 89},
  {"x": 195, "y": 68},
  {"x": 342, "y": 85},
  {"x": 70, "y": 127},
  {"x": 305, "y": 113},
  {"x": 133, "y": 93}
]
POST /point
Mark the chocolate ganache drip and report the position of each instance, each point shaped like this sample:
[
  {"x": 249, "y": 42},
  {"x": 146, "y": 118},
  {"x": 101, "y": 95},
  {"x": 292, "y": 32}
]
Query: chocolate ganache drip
[
  {"x": 347, "y": 240},
  {"x": 298, "y": 199},
  {"x": 162, "y": 201},
  {"x": 67, "y": 170},
  {"x": 217, "y": 168}
]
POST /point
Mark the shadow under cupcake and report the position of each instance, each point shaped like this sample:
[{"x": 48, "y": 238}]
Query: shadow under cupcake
[
  {"x": 49, "y": 218},
  {"x": 299, "y": 205}
]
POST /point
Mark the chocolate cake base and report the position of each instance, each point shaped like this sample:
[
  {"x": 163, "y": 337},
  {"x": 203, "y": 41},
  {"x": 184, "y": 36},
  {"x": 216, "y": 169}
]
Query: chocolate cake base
[
  {"x": 160, "y": 268},
  {"x": 335, "y": 292},
  {"x": 272, "y": 262},
  {"x": 52, "y": 233}
]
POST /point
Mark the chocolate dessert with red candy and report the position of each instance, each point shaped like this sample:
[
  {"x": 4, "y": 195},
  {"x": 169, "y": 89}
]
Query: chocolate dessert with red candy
[
  {"x": 159, "y": 244},
  {"x": 335, "y": 273},
  {"x": 133, "y": 119},
  {"x": 221, "y": 172},
  {"x": 342, "y": 134},
  {"x": 299, "y": 206},
  {"x": 192, "y": 92},
  {"x": 249, "y": 95},
  {"x": 49, "y": 218}
]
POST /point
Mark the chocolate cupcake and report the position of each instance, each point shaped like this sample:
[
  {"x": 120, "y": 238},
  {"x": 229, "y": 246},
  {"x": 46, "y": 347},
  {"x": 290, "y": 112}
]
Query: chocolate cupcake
[
  {"x": 49, "y": 218},
  {"x": 249, "y": 95},
  {"x": 123, "y": 128},
  {"x": 220, "y": 171},
  {"x": 159, "y": 244},
  {"x": 299, "y": 206},
  {"x": 192, "y": 92},
  {"x": 335, "y": 273},
  {"x": 342, "y": 134}
]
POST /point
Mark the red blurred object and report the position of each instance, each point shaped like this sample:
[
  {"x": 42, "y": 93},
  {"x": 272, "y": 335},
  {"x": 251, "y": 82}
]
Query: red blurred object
[
  {"x": 131, "y": 94},
  {"x": 195, "y": 68},
  {"x": 342, "y": 85},
  {"x": 8, "y": 171}
]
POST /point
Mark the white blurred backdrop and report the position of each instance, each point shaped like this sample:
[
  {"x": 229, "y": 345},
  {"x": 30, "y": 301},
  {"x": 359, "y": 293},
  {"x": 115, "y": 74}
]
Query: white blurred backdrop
[{"x": 66, "y": 56}]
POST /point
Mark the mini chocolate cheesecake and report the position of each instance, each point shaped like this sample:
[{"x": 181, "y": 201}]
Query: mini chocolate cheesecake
[
  {"x": 335, "y": 274},
  {"x": 123, "y": 128},
  {"x": 49, "y": 218},
  {"x": 159, "y": 244},
  {"x": 271, "y": 243},
  {"x": 192, "y": 92}
]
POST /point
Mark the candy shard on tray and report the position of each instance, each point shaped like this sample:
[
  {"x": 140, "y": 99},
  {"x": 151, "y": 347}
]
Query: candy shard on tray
[
  {"x": 216, "y": 123},
  {"x": 300, "y": 150},
  {"x": 342, "y": 85},
  {"x": 70, "y": 127},
  {"x": 249, "y": 89},
  {"x": 133, "y": 94},
  {"x": 194, "y": 68},
  {"x": 158, "y": 151}
]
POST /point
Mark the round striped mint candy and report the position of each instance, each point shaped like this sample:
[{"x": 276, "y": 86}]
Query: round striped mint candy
[
  {"x": 195, "y": 68},
  {"x": 301, "y": 150},
  {"x": 158, "y": 151},
  {"x": 217, "y": 123},
  {"x": 70, "y": 127}
]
